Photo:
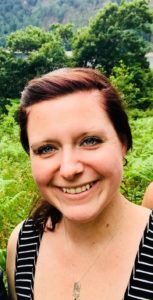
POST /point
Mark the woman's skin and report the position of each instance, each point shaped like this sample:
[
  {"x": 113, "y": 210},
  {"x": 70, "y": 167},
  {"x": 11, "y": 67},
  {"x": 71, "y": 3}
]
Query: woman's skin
[
  {"x": 77, "y": 163},
  {"x": 148, "y": 196},
  {"x": 73, "y": 155}
]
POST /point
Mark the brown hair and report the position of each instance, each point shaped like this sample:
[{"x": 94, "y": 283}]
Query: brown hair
[{"x": 66, "y": 81}]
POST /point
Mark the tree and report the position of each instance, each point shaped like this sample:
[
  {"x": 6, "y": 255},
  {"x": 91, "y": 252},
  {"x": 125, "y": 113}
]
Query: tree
[
  {"x": 13, "y": 74},
  {"x": 115, "y": 34},
  {"x": 49, "y": 57},
  {"x": 30, "y": 39},
  {"x": 64, "y": 32},
  {"x": 135, "y": 85},
  {"x": 32, "y": 52}
]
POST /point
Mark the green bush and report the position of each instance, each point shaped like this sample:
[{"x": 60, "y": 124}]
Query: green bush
[
  {"x": 139, "y": 171},
  {"x": 3, "y": 265},
  {"x": 17, "y": 189},
  {"x": 3, "y": 260},
  {"x": 135, "y": 85}
]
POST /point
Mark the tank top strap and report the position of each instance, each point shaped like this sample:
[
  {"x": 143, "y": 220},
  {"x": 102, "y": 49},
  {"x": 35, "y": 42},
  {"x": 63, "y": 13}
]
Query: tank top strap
[
  {"x": 141, "y": 280},
  {"x": 26, "y": 258}
]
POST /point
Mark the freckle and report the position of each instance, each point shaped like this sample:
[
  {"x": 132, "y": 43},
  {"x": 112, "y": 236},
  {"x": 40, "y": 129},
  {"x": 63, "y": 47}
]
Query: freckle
[{"x": 107, "y": 225}]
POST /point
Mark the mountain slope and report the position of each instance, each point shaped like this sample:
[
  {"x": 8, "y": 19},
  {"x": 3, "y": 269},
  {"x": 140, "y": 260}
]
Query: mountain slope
[{"x": 16, "y": 14}]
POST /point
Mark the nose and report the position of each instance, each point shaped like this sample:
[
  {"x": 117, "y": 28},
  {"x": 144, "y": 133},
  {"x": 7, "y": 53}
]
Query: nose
[{"x": 70, "y": 166}]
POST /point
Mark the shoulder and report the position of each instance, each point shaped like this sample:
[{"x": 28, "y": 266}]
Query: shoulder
[
  {"x": 12, "y": 242},
  {"x": 22, "y": 235},
  {"x": 148, "y": 196},
  {"x": 149, "y": 190},
  {"x": 25, "y": 228},
  {"x": 11, "y": 257}
]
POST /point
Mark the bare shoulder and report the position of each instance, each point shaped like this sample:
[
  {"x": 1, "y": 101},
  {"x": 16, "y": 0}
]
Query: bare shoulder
[
  {"x": 10, "y": 262},
  {"x": 148, "y": 197},
  {"x": 143, "y": 212},
  {"x": 139, "y": 216}
]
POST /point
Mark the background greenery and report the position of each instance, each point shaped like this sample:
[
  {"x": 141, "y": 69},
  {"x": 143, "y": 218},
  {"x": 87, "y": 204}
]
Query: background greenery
[
  {"x": 115, "y": 45},
  {"x": 17, "y": 14}
]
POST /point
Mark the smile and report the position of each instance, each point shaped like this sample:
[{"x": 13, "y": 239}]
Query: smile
[{"x": 79, "y": 189}]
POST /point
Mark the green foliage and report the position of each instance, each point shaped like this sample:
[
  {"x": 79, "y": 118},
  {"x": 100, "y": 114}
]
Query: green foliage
[
  {"x": 103, "y": 44},
  {"x": 3, "y": 265},
  {"x": 17, "y": 189},
  {"x": 116, "y": 33},
  {"x": 135, "y": 84},
  {"x": 65, "y": 32},
  {"x": 18, "y": 14},
  {"x": 27, "y": 40},
  {"x": 13, "y": 74},
  {"x": 2, "y": 259},
  {"x": 49, "y": 57},
  {"x": 3, "y": 103},
  {"x": 138, "y": 173},
  {"x": 31, "y": 52}
]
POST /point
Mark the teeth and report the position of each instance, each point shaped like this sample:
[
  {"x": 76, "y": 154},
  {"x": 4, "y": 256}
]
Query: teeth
[
  {"x": 88, "y": 186},
  {"x": 78, "y": 189},
  {"x": 72, "y": 191}
]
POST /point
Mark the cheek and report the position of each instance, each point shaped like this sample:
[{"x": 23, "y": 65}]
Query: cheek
[
  {"x": 41, "y": 171},
  {"x": 109, "y": 163}
]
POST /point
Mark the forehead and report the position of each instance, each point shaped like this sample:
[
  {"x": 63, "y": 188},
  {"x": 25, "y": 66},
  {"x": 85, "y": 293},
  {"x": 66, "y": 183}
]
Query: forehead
[
  {"x": 80, "y": 109},
  {"x": 84, "y": 102}
]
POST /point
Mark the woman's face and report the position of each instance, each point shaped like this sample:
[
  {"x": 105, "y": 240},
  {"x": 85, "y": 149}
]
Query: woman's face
[{"x": 76, "y": 154}]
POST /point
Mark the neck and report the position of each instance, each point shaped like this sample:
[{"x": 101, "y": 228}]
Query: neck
[{"x": 98, "y": 230}]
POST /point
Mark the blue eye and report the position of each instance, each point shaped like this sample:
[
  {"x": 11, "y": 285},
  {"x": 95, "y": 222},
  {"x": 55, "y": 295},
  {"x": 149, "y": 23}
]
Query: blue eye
[
  {"x": 91, "y": 141},
  {"x": 45, "y": 149}
]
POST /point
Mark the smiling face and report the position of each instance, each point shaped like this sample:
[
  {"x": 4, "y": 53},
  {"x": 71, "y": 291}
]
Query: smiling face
[{"x": 76, "y": 154}]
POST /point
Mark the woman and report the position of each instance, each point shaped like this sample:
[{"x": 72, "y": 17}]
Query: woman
[
  {"x": 148, "y": 196},
  {"x": 85, "y": 240}
]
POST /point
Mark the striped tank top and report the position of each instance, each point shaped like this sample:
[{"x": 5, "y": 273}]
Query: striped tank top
[{"x": 140, "y": 286}]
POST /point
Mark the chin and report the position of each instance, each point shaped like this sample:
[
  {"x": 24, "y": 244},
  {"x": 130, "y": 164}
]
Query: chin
[
  {"x": 81, "y": 216},
  {"x": 81, "y": 220}
]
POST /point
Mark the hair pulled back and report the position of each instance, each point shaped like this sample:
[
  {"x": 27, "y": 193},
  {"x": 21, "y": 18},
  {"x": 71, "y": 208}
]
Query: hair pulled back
[{"x": 67, "y": 81}]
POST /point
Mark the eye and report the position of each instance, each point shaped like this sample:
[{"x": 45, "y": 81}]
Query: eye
[
  {"x": 45, "y": 149},
  {"x": 91, "y": 141}
]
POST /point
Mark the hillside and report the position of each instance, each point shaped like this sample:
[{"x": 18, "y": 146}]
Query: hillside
[{"x": 17, "y": 14}]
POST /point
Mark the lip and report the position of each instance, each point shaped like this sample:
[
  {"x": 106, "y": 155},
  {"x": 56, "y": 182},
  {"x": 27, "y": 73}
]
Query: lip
[{"x": 79, "y": 196}]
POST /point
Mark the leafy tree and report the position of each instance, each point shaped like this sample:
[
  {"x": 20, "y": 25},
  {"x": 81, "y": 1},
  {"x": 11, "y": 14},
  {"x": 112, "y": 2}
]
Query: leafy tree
[
  {"x": 32, "y": 52},
  {"x": 115, "y": 34},
  {"x": 13, "y": 74},
  {"x": 65, "y": 32},
  {"x": 27, "y": 40},
  {"x": 135, "y": 84},
  {"x": 17, "y": 14},
  {"x": 3, "y": 103},
  {"x": 49, "y": 57}
]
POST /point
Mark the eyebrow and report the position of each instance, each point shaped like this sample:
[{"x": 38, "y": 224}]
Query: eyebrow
[
  {"x": 41, "y": 143},
  {"x": 91, "y": 131}
]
